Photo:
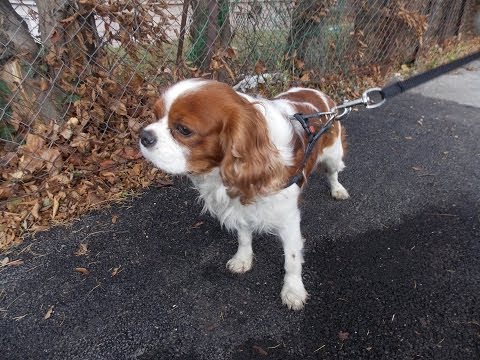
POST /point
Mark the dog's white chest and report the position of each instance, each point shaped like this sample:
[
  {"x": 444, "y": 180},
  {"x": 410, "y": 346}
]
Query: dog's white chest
[{"x": 266, "y": 214}]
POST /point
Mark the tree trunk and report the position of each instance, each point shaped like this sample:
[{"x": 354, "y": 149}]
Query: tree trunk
[
  {"x": 475, "y": 16},
  {"x": 210, "y": 30},
  {"x": 68, "y": 34},
  {"x": 69, "y": 38},
  {"x": 384, "y": 37},
  {"x": 447, "y": 19},
  {"x": 198, "y": 33},
  {"x": 20, "y": 74},
  {"x": 306, "y": 25},
  {"x": 15, "y": 38},
  {"x": 466, "y": 19}
]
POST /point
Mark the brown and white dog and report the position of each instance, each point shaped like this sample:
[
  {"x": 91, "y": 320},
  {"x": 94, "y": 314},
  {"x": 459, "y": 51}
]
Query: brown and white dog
[{"x": 240, "y": 152}]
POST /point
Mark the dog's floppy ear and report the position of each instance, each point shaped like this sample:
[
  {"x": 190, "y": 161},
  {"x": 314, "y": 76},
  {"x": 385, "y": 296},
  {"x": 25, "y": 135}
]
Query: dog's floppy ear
[
  {"x": 159, "y": 109},
  {"x": 251, "y": 165}
]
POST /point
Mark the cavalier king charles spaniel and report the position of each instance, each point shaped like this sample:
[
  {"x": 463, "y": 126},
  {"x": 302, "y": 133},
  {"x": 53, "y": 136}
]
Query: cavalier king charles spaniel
[{"x": 240, "y": 152}]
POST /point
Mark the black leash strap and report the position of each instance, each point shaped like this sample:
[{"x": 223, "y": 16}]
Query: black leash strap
[{"x": 402, "y": 86}]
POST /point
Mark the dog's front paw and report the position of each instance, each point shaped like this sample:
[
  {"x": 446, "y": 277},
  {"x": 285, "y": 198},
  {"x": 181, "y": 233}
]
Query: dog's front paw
[
  {"x": 294, "y": 294},
  {"x": 240, "y": 264},
  {"x": 340, "y": 193}
]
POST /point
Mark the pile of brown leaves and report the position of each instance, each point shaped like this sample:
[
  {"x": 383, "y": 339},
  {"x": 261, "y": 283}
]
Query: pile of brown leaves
[
  {"x": 54, "y": 170},
  {"x": 61, "y": 172}
]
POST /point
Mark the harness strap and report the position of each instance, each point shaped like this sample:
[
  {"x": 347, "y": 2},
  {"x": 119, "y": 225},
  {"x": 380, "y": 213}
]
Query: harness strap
[{"x": 312, "y": 140}]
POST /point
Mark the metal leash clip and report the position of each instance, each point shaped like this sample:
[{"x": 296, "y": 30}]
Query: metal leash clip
[
  {"x": 366, "y": 100},
  {"x": 373, "y": 103}
]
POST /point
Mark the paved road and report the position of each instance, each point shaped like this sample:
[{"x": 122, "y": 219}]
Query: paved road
[{"x": 393, "y": 273}]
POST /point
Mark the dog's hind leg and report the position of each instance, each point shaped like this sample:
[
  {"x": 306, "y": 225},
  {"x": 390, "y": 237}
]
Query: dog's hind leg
[
  {"x": 331, "y": 160},
  {"x": 336, "y": 189}
]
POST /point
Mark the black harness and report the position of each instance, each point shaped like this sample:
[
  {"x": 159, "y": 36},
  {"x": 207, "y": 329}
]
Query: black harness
[{"x": 313, "y": 136}]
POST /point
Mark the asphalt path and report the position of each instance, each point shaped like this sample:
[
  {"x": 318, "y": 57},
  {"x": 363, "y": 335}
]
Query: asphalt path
[{"x": 393, "y": 272}]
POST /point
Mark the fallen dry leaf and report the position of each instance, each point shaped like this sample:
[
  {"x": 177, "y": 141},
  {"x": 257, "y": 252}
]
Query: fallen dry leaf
[
  {"x": 230, "y": 52},
  {"x": 93, "y": 198},
  {"x": 56, "y": 205},
  {"x": 114, "y": 219},
  {"x": 107, "y": 164},
  {"x": 215, "y": 65},
  {"x": 17, "y": 175},
  {"x": 5, "y": 192},
  {"x": 260, "y": 67},
  {"x": 4, "y": 261},
  {"x": 33, "y": 144},
  {"x": 35, "y": 210},
  {"x": 259, "y": 350},
  {"x": 197, "y": 225},
  {"x": 81, "y": 141},
  {"x": 7, "y": 262},
  {"x": 342, "y": 336},
  {"x": 44, "y": 84},
  {"x": 116, "y": 270},
  {"x": 30, "y": 162},
  {"x": 17, "y": 262},
  {"x": 82, "y": 250},
  {"x": 66, "y": 133},
  {"x": 305, "y": 77},
  {"x": 82, "y": 271},
  {"x": 73, "y": 121},
  {"x": 299, "y": 64},
  {"x": 134, "y": 125},
  {"x": 118, "y": 107},
  {"x": 131, "y": 153},
  {"x": 49, "y": 313}
]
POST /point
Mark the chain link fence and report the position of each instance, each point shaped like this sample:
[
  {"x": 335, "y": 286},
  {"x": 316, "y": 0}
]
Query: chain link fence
[{"x": 78, "y": 77}]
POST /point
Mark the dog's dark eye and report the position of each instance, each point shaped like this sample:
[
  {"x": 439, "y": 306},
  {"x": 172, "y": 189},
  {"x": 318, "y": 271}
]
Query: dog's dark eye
[{"x": 183, "y": 130}]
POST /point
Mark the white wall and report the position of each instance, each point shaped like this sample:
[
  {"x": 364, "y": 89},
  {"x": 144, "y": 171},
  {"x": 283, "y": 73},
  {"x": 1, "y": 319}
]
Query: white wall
[
  {"x": 28, "y": 11},
  {"x": 267, "y": 14}
]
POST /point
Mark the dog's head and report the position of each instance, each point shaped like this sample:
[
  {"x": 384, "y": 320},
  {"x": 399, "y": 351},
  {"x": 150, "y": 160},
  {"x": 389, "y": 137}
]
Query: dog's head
[{"x": 202, "y": 125}]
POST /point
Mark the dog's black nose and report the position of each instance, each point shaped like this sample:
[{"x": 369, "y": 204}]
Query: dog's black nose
[{"x": 147, "y": 138}]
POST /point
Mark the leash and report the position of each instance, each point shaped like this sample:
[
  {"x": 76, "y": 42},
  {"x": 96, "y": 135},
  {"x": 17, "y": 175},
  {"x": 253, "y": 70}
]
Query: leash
[{"x": 371, "y": 98}]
